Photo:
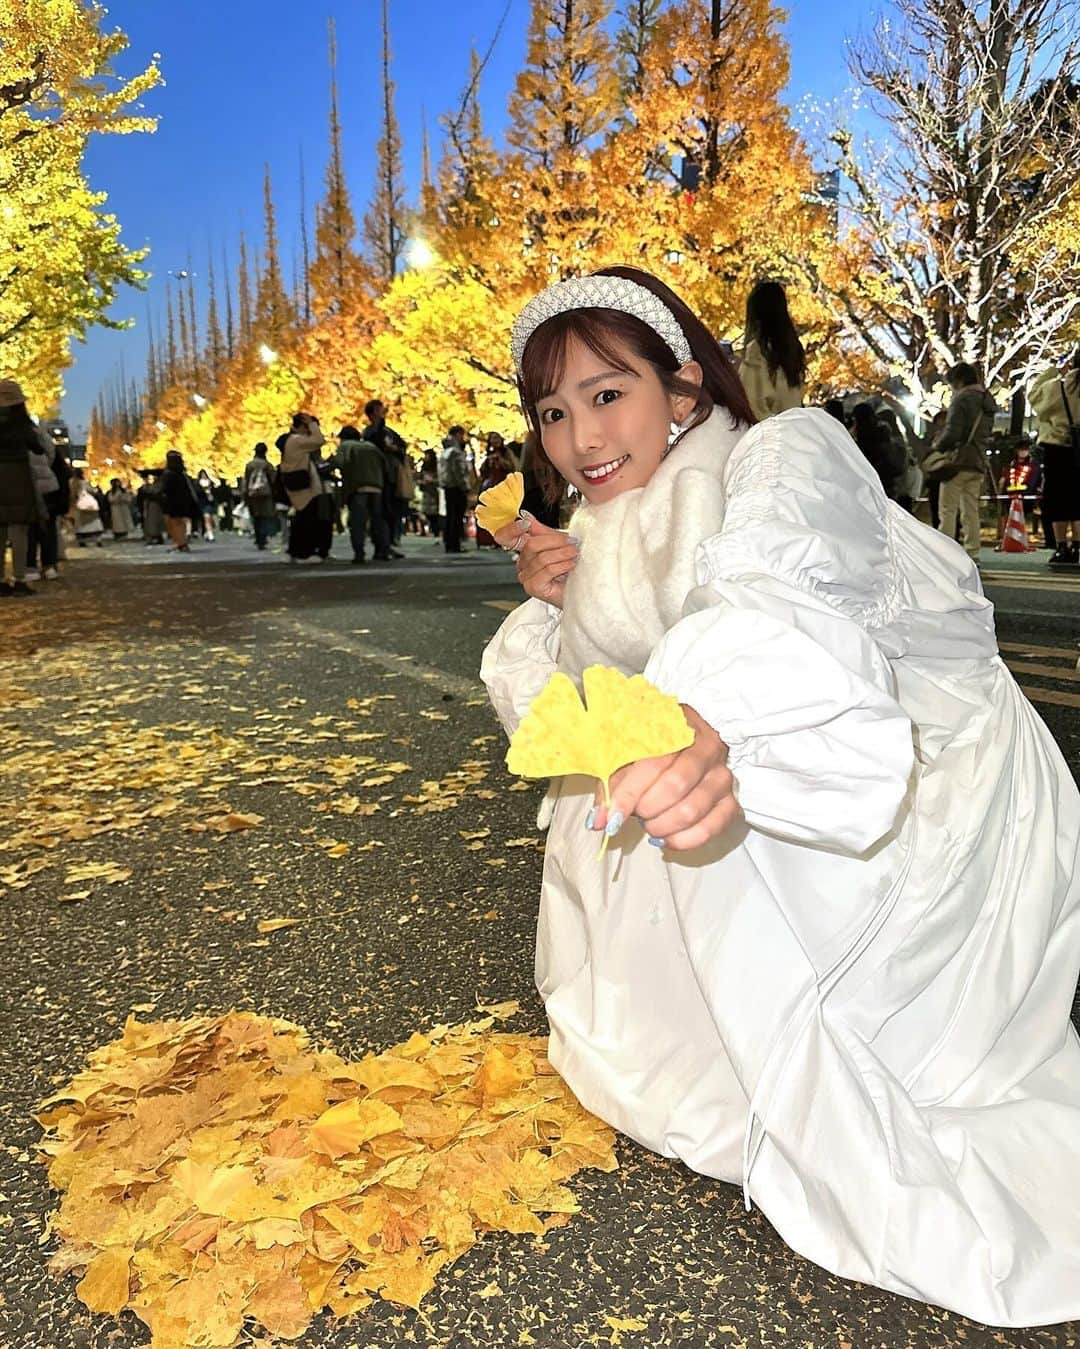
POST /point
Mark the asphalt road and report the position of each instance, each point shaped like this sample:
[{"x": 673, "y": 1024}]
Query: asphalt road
[{"x": 225, "y": 682}]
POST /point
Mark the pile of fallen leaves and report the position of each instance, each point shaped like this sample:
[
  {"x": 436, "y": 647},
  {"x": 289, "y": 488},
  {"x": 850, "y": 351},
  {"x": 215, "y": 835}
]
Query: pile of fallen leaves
[{"x": 219, "y": 1172}]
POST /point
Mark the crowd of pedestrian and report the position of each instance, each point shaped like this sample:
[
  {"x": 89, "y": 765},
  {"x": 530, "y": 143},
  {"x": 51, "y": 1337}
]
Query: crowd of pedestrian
[{"x": 369, "y": 485}]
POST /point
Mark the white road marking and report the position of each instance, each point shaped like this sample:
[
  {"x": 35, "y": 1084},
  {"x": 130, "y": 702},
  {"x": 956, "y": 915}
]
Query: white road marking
[
  {"x": 1047, "y": 671},
  {"x": 1026, "y": 649},
  {"x": 388, "y": 660},
  {"x": 1010, "y": 581},
  {"x": 1050, "y": 696}
]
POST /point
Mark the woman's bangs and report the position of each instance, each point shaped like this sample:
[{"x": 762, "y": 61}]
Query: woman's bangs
[{"x": 544, "y": 362}]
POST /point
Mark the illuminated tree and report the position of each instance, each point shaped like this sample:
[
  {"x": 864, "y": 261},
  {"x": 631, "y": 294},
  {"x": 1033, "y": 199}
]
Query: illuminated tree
[
  {"x": 709, "y": 175},
  {"x": 245, "y": 303},
  {"x": 567, "y": 94},
  {"x": 339, "y": 278},
  {"x": 959, "y": 246},
  {"x": 197, "y": 371},
  {"x": 343, "y": 288},
  {"x": 185, "y": 373},
  {"x": 469, "y": 164},
  {"x": 666, "y": 145},
  {"x": 632, "y": 42},
  {"x": 274, "y": 314},
  {"x": 215, "y": 351},
  {"x": 384, "y": 224},
  {"x": 172, "y": 363},
  {"x": 62, "y": 263}
]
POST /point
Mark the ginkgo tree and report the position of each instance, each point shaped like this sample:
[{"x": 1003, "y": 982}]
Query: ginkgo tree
[
  {"x": 62, "y": 262},
  {"x": 959, "y": 238}
]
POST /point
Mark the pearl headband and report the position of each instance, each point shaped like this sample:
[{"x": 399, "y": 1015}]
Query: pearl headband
[{"x": 599, "y": 292}]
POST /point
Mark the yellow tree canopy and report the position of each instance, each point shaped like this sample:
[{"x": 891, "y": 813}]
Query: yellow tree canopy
[
  {"x": 61, "y": 258},
  {"x": 602, "y": 133}
]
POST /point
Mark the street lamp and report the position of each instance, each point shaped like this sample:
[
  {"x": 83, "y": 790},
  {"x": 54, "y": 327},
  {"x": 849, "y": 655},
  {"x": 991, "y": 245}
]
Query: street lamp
[
  {"x": 418, "y": 253},
  {"x": 270, "y": 357}
]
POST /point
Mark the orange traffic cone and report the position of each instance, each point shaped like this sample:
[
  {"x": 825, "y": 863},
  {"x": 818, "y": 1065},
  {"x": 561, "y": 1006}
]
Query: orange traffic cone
[{"x": 1015, "y": 538}]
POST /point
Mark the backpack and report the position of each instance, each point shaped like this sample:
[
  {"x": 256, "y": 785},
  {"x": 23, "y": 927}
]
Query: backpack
[{"x": 258, "y": 484}]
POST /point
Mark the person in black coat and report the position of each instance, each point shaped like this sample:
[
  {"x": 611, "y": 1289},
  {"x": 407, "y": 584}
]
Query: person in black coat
[
  {"x": 21, "y": 505},
  {"x": 873, "y": 438},
  {"x": 393, "y": 447},
  {"x": 179, "y": 501}
]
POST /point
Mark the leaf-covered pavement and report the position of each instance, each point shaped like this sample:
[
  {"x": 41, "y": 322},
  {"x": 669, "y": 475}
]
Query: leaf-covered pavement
[{"x": 305, "y": 785}]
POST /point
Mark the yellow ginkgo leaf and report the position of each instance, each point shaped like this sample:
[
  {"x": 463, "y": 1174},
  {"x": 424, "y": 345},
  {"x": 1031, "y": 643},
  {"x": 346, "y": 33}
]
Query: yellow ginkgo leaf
[
  {"x": 627, "y": 719},
  {"x": 500, "y": 504},
  {"x": 344, "y": 1127},
  {"x": 211, "y": 1189},
  {"x": 104, "y": 1287}
]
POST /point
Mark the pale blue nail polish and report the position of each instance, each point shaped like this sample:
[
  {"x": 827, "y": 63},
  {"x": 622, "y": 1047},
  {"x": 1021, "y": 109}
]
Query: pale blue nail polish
[
  {"x": 575, "y": 541},
  {"x": 590, "y": 819},
  {"x": 655, "y": 842},
  {"x": 614, "y": 824}
]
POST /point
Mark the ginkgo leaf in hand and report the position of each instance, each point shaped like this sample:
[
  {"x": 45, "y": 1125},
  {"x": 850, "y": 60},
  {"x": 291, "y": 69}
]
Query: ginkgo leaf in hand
[
  {"x": 500, "y": 504},
  {"x": 627, "y": 719}
]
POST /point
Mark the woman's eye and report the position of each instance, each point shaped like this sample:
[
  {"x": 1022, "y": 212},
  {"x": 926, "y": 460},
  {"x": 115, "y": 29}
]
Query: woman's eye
[
  {"x": 550, "y": 415},
  {"x": 606, "y": 396}
]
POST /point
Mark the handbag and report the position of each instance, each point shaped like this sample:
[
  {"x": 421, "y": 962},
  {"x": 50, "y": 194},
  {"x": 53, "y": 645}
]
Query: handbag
[
  {"x": 86, "y": 502},
  {"x": 942, "y": 465},
  {"x": 1074, "y": 430}
]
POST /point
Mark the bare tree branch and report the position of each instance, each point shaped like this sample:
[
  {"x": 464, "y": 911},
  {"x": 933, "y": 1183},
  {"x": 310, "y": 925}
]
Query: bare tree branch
[{"x": 982, "y": 103}]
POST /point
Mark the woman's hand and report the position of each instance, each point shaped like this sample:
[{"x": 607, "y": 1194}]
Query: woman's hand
[
  {"x": 684, "y": 800},
  {"x": 545, "y": 557}
]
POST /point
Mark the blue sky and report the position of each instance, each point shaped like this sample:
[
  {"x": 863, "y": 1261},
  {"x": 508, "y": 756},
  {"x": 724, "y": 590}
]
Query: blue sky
[{"x": 246, "y": 84}]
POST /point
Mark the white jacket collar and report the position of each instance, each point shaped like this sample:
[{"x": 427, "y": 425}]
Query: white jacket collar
[{"x": 637, "y": 558}]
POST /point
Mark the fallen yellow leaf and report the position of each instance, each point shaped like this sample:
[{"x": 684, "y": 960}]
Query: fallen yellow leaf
[
  {"x": 276, "y": 924},
  {"x": 273, "y": 1197},
  {"x": 232, "y": 823},
  {"x": 104, "y": 1287},
  {"x": 343, "y": 1127},
  {"x": 619, "y": 1325}
]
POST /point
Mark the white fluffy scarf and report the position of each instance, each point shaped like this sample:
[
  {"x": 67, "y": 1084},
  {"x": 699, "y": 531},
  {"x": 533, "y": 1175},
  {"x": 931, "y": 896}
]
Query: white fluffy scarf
[{"x": 637, "y": 559}]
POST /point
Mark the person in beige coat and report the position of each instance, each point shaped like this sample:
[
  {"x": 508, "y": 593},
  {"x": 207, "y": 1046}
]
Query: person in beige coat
[
  {"x": 773, "y": 364},
  {"x": 1055, "y": 400},
  {"x": 311, "y": 528}
]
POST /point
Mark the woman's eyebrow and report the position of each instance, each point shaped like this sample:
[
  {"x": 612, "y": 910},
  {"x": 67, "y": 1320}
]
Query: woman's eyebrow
[{"x": 606, "y": 374}]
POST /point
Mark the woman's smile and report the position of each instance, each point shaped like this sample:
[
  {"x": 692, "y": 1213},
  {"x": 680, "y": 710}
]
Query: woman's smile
[{"x": 601, "y": 473}]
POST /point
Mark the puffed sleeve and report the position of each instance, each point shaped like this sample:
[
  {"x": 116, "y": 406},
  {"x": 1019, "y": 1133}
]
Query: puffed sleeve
[
  {"x": 774, "y": 649},
  {"x": 520, "y": 659}
]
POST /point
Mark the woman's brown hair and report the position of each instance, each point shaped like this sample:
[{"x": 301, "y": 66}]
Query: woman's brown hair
[{"x": 607, "y": 333}]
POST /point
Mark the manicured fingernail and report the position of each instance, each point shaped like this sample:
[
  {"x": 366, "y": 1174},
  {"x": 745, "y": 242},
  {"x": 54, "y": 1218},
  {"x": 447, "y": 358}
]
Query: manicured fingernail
[
  {"x": 526, "y": 519},
  {"x": 575, "y": 541},
  {"x": 590, "y": 819},
  {"x": 655, "y": 842},
  {"x": 614, "y": 824}
]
